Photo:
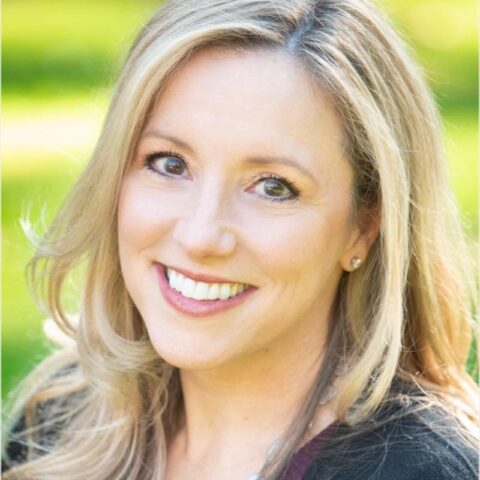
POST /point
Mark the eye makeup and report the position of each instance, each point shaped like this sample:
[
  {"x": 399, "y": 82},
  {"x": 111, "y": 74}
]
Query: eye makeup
[
  {"x": 179, "y": 166},
  {"x": 294, "y": 191},
  {"x": 175, "y": 168}
]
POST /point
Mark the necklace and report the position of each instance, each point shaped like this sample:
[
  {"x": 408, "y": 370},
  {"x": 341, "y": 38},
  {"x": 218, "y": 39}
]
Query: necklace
[{"x": 275, "y": 446}]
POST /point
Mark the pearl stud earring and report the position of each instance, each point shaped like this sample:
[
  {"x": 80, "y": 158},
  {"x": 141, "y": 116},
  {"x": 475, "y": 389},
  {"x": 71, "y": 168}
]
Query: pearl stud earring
[{"x": 356, "y": 262}]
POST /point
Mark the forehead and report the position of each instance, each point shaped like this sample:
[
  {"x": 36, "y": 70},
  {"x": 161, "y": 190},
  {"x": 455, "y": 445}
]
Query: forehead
[{"x": 261, "y": 98}]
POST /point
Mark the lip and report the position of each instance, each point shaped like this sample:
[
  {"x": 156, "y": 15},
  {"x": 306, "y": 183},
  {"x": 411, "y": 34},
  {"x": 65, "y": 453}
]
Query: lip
[
  {"x": 197, "y": 308},
  {"x": 198, "y": 277}
]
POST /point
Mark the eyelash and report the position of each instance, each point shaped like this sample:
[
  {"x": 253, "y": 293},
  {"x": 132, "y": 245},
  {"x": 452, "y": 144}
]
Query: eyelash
[
  {"x": 295, "y": 191},
  {"x": 290, "y": 185},
  {"x": 151, "y": 157}
]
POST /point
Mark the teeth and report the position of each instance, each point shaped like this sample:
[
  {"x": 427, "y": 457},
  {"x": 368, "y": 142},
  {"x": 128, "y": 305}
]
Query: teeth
[
  {"x": 179, "y": 281},
  {"x": 201, "y": 290},
  {"x": 213, "y": 291},
  {"x": 172, "y": 277},
  {"x": 224, "y": 291},
  {"x": 176, "y": 280},
  {"x": 188, "y": 288}
]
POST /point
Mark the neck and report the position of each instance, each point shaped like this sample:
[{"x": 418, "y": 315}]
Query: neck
[{"x": 249, "y": 401}]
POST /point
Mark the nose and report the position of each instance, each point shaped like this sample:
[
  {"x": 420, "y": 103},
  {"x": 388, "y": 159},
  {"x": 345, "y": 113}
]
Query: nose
[{"x": 202, "y": 230}]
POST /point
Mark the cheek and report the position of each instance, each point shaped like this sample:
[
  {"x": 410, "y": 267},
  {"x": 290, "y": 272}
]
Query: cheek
[
  {"x": 301, "y": 242},
  {"x": 142, "y": 217}
]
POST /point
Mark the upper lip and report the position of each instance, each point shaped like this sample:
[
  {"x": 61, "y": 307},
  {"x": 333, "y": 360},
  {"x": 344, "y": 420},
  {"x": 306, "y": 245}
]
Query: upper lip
[{"x": 200, "y": 277}]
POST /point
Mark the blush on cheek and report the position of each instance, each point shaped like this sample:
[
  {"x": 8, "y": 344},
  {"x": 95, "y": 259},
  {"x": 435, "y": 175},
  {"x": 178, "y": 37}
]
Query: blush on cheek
[
  {"x": 145, "y": 216},
  {"x": 286, "y": 242},
  {"x": 129, "y": 218}
]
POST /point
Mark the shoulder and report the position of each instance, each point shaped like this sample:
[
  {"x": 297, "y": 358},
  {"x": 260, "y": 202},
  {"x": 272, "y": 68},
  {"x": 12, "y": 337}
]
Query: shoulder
[
  {"x": 36, "y": 428},
  {"x": 423, "y": 443}
]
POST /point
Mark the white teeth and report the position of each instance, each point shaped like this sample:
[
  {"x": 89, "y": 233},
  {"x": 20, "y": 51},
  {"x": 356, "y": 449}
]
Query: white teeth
[
  {"x": 224, "y": 291},
  {"x": 173, "y": 278},
  {"x": 188, "y": 288},
  {"x": 213, "y": 291},
  {"x": 201, "y": 290},
  {"x": 176, "y": 280}
]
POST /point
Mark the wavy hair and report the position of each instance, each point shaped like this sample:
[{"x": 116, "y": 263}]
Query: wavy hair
[{"x": 406, "y": 313}]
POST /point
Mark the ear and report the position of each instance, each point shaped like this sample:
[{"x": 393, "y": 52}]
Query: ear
[{"x": 364, "y": 234}]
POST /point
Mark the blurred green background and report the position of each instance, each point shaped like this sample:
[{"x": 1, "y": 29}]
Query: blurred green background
[{"x": 60, "y": 59}]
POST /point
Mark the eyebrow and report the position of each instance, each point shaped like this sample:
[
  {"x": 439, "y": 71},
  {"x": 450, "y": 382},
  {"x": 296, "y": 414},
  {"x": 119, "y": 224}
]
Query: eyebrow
[
  {"x": 282, "y": 161},
  {"x": 158, "y": 134},
  {"x": 269, "y": 160}
]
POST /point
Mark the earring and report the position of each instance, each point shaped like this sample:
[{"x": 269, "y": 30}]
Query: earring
[{"x": 356, "y": 262}]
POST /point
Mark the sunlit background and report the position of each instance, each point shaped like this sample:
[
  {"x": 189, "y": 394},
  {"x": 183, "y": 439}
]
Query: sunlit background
[{"x": 60, "y": 59}]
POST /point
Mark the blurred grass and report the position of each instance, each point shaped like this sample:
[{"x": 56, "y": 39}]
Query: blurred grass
[
  {"x": 58, "y": 47},
  {"x": 59, "y": 60}
]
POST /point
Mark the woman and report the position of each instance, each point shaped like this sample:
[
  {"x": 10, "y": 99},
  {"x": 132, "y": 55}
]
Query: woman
[{"x": 274, "y": 283}]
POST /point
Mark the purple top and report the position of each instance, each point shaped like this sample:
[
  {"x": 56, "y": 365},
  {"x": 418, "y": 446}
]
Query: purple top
[{"x": 304, "y": 458}]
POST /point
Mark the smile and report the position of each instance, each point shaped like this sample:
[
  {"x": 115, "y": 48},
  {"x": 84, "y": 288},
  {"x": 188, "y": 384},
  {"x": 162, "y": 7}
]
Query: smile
[
  {"x": 201, "y": 290},
  {"x": 200, "y": 296}
]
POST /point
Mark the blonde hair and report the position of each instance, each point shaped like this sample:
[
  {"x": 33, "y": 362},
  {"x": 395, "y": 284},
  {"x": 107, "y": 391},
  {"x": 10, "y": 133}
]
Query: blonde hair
[{"x": 406, "y": 313}]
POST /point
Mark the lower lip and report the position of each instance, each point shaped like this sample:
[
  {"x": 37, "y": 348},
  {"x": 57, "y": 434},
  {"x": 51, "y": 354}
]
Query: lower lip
[{"x": 196, "y": 308}]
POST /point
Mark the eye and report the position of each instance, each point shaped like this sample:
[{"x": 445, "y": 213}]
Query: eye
[
  {"x": 276, "y": 188},
  {"x": 167, "y": 164}
]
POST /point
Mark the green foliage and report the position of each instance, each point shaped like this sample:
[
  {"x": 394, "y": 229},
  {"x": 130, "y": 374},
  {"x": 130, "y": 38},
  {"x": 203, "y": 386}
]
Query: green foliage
[
  {"x": 59, "y": 60},
  {"x": 52, "y": 48}
]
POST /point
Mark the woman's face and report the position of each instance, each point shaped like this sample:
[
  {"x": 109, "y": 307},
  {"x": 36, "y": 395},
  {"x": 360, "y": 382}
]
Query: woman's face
[{"x": 241, "y": 186}]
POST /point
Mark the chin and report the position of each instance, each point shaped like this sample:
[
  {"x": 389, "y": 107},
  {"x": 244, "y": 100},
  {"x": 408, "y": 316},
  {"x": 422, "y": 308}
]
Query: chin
[{"x": 185, "y": 356}]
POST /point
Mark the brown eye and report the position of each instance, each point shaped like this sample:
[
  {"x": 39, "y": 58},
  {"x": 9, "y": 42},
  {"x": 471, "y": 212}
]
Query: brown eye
[
  {"x": 172, "y": 165},
  {"x": 275, "y": 189},
  {"x": 167, "y": 164}
]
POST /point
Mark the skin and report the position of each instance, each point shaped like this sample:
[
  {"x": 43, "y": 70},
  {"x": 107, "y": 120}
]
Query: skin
[{"x": 216, "y": 217}]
